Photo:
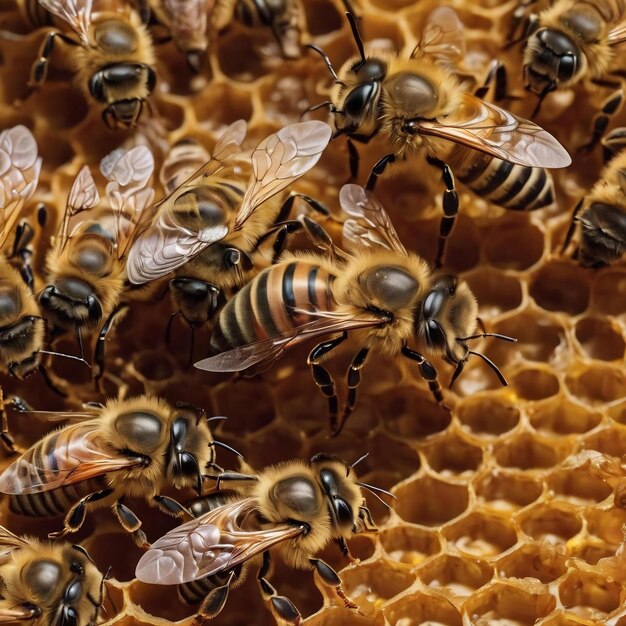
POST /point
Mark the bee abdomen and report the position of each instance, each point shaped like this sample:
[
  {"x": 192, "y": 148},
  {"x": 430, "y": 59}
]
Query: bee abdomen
[
  {"x": 511, "y": 186},
  {"x": 273, "y": 303},
  {"x": 195, "y": 591}
]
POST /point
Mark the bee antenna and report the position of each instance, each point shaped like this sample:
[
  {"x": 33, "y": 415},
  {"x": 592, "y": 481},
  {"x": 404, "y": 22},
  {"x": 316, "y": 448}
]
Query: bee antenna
[
  {"x": 221, "y": 444},
  {"x": 493, "y": 366},
  {"x": 79, "y": 338},
  {"x": 357, "y": 39},
  {"x": 192, "y": 331},
  {"x": 361, "y": 458},
  {"x": 327, "y": 103},
  {"x": 376, "y": 490},
  {"x": 328, "y": 63},
  {"x": 457, "y": 373},
  {"x": 65, "y": 356},
  {"x": 216, "y": 418},
  {"x": 483, "y": 335}
]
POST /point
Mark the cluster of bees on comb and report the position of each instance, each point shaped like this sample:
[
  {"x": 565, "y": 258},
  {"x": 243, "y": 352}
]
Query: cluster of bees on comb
[{"x": 313, "y": 304}]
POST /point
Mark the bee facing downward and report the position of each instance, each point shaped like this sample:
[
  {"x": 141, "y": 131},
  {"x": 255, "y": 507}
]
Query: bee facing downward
[
  {"x": 383, "y": 292},
  {"x": 419, "y": 106},
  {"x": 48, "y": 584},
  {"x": 295, "y": 509},
  {"x": 112, "y": 58},
  {"x": 129, "y": 449}
]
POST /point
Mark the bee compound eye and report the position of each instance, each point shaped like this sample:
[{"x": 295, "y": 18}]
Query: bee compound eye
[
  {"x": 96, "y": 87},
  {"x": 343, "y": 512},
  {"x": 73, "y": 591},
  {"x": 358, "y": 99}
]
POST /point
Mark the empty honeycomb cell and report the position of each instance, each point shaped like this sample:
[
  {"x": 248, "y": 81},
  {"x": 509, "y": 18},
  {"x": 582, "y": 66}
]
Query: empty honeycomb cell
[
  {"x": 609, "y": 292},
  {"x": 154, "y": 364},
  {"x": 481, "y": 534},
  {"x": 597, "y": 384},
  {"x": 459, "y": 576},
  {"x": 591, "y": 551},
  {"x": 322, "y": 17},
  {"x": 607, "y": 525},
  {"x": 370, "y": 584},
  {"x": 551, "y": 522},
  {"x": 488, "y": 413},
  {"x": 430, "y": 502},
  {"x": 513, "y": 243},
  {"x": 578, "y": 486},
  {"x": 533, "y": 560},
  {"x": 286, "y": 94},
  {"x": 270, "y": 445},
  {"x": 337, "y": 616},
  {"x": 238, "y": 57},
  {"x": 161, "y": 601},
  {"x": 451, "y": 455},
  {"x": 253, "y": 406},
  {"x": 409, "y": 544},
  {"x": 381, "y": 29},
  {"x": 535, "y": 383},
  {"x": 562, "y": 417},
  {"x": 537, "y": 338},
  {"x": 589, "y": 595},
  {"x": 600, "y": 339},
  {"x": 420, "y": 609},
  {"x": 609, "y": 441},
  {"x": 526, "y": 452},
  {"x": 495, "y": 291},
  {"x": 463, "y": 251},
  {"x": 56, "y": 150},
  {"x": 507, "y": 605},
  {"x": 507, "y": 491},
  {"x": 223, "y": 105},
  {"x": 559, "y": 286}
]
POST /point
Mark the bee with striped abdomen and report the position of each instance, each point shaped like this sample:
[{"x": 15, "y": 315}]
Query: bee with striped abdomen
[
  {"x": 112, "y": 57},
  {"x": 295, "y": 509},
  {"x": 127, "y": 449},
  {"x": 385, "y": 293},
  {"x": 419, "y": 106},
  {"x": 46, "y": 584},
  {"x": 572, "y": 41},
  {"x": 209, "y": 227}
]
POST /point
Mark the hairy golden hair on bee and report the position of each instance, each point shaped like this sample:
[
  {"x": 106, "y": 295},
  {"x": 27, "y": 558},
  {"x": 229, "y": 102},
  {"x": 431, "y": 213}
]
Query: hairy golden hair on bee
[{"x": 611, "y": 184}]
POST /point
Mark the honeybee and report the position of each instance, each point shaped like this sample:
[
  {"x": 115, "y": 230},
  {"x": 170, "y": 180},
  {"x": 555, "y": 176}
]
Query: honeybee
[
  {"x": 380, "y": 289},
  {"x": 296, "y": 508},
  {"x": 209, "y": 227},
  {"x": 602, "y": 213},
  {"x": 419, "y": 106},
  {"x": 85, "y": 266},
  {"x": 570, "y": 41},
  {"x": 22, "y": 328},
  {"x": 113, "y": 57},
  {"x": 125, "y": 449},
  {"x": 48, "y": 584}
]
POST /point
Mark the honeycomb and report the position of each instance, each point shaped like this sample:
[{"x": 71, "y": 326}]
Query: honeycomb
[{"x": 509, "y": 510}]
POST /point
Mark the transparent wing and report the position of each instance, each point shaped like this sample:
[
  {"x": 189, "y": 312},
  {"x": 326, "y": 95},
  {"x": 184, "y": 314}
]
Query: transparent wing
[
  {"x": 617, "y": 35},
  {"x": 188, "y": 22},
  {"x": 214, "y": 542},
  {"x": 280, "y": 159},
  {"x": 183, "y": 160},
  {"x": 370, "y": 225},
  {"x": 443, "y": 37},
  {"x": 262, "y": 354},
  {"x": 230, "y": 142},
  {"x": 129, "y": 191},
  {"x": 485, "y": 127},
  {"x": 19, "y": 175},
  {"x": 9, "y": 543},
  {"x": 73, "y": 454},
  {"x": 77, "y": 13}
]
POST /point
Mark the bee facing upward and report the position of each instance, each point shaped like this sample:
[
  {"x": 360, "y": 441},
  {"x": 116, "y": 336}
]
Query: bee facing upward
[
  {"x": 384, "y": 292},
  {"x": 574, "y": 40},
  {"x": 295, "y": 509},
  {"x": 128, "y": 449},
  {"x": 418, "y": 105},
  {"x": 112, "y": 57},
  {"x": 209, "y": 227},
  {"x": 46, "y": 584}
]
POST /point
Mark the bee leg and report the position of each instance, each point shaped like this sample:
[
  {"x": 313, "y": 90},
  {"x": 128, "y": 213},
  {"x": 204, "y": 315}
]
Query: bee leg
[
  {"x": 98, "y": 357},
  {"x": 320, "y": 238},
  {"x": 355, "y": 159},
  {"x": 572, "y": 226},
  {"x": 171, "y": 507},
  {"x": 213, "y": 604},
  {"x": 609, "y": 108},
  {"x": 450, "y": 208},
  {"x": 322, "y": 376},
  {"x": 281, "y": 605},
  {"x": 330, "y": 577},
  {"x": 233, "y": 477},
  {"x": 130, "y": 523},
  {"x": 39, "y": 70},
  {"x": 24, "y": 234},
  {"x": 5, "y": 435},
  {"x": 76, "y": 515},
  {"x": 353, "y": 381},
  {"x": 428, "y": 373},
  {"x": 518, "y": 19},
  {"x": 497, "y": 75},
  {"x": 378, "y": 169}
]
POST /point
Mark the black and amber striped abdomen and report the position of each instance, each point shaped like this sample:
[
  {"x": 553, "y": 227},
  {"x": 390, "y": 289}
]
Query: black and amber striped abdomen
[
  {"x": 272, "y": 304},
  {"x": 505, "y": 184}
]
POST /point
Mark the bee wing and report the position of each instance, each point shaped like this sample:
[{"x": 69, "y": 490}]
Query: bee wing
[
  {"x": 8, "y": 544},
  {"x": 77, "y": 452},
  {"x": 443, "y": 37},
  {"x": 230, "y": 142},
  {"x": 617, "y": 35},
  {"x": 261, "y": 354},
  {"x": 12, "y": 613},
  {"x": 485, "y": 127},
  {"x": 188, "y": 21},
  {"x": 371, "y": 225},
  {"x": 129, "y": 192},
  {"x": 280, "y": 159},
  {"x": 77, "y": 13},
  {"x": 19, "y": 175},
  {"x": 214, "y": 542}
]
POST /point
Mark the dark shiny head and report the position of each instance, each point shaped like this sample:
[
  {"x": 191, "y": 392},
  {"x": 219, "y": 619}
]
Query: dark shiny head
[
  {"x": 411, "y": 95},
  {"x": 196, "y": 300},
  {"x": 332, "y": 475},
  {"x": 70, "y": 302},
  {"x": 390, "y": 287},
  {"x": 182, "y": 463},
  {"x": 603, "y": 235}
]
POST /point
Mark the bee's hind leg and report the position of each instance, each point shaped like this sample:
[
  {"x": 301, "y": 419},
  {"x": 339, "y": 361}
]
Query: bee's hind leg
[
  {"x": 330, "y": 577},
  {"x": 284, "y": 608},
  {"x": 213, "y": 604}
]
